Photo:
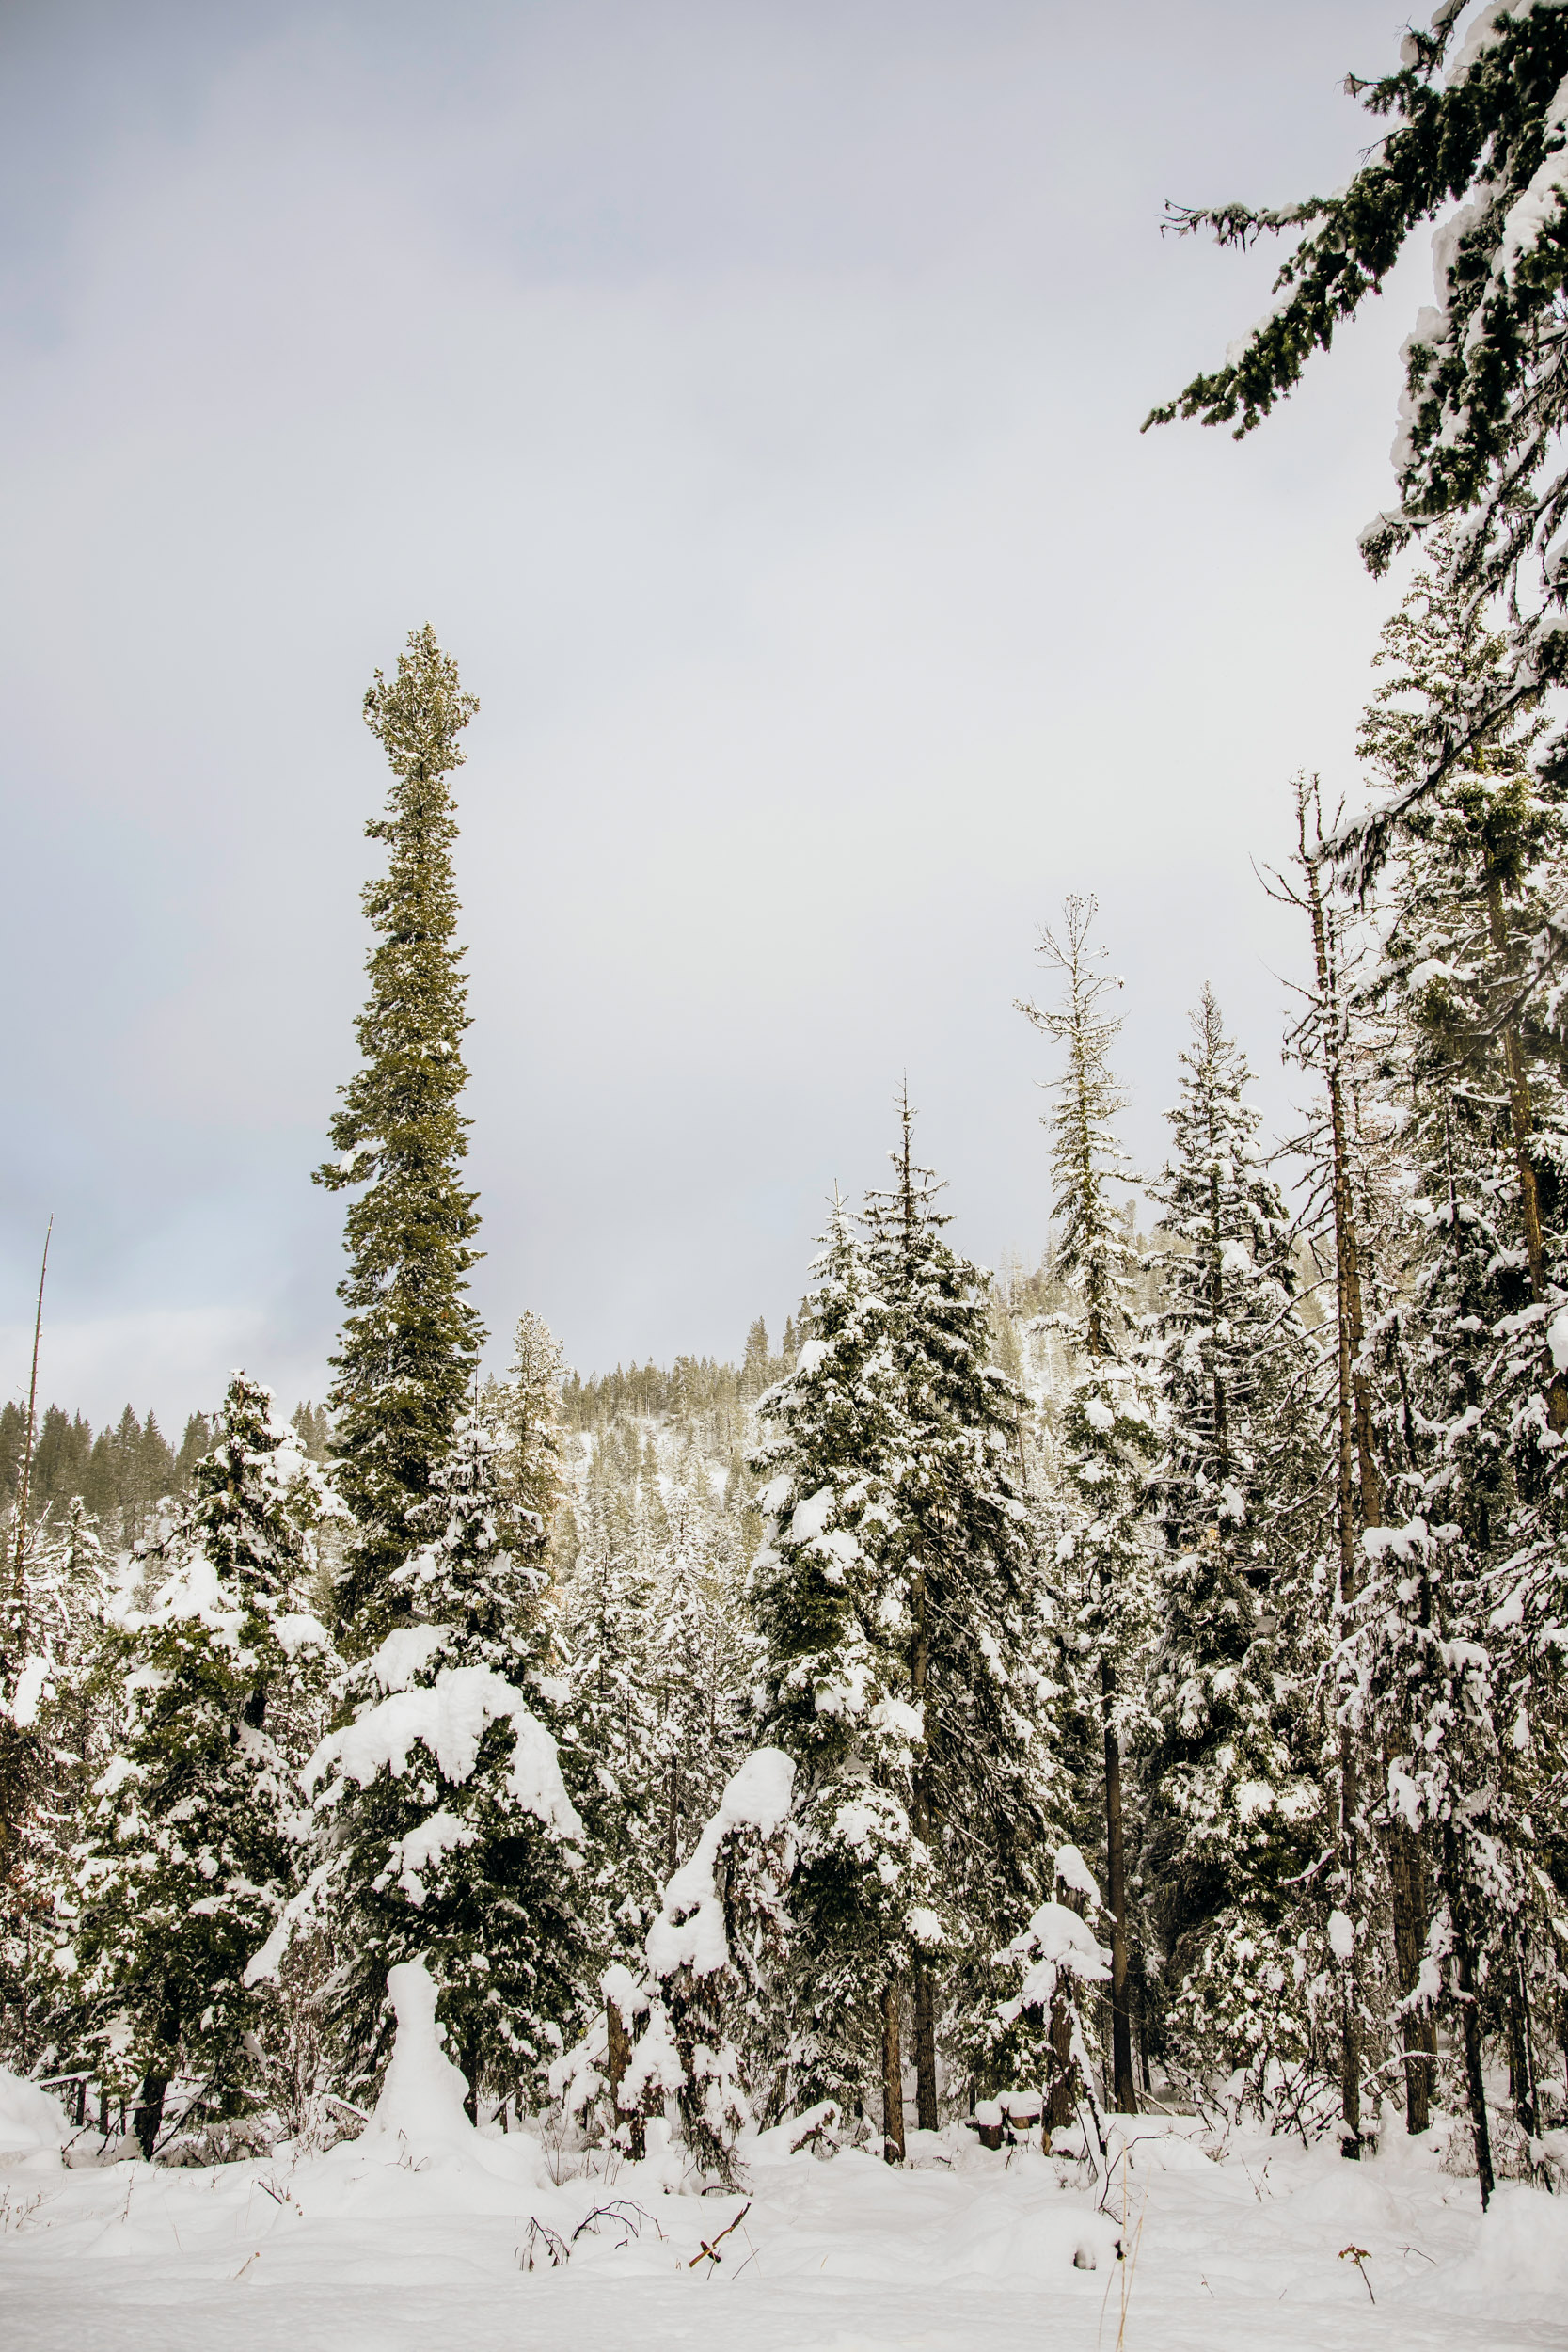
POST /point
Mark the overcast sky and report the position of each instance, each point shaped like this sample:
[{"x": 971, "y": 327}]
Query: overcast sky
[{"x": 749, "y": 395}]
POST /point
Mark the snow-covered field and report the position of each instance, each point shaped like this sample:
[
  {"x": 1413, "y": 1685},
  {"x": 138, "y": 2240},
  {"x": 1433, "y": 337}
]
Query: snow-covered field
[{"x": 386, "y": 2245}]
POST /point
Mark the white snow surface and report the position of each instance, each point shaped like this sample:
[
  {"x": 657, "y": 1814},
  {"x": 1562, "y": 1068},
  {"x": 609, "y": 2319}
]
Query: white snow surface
[{"x": 408, "y": 2240}]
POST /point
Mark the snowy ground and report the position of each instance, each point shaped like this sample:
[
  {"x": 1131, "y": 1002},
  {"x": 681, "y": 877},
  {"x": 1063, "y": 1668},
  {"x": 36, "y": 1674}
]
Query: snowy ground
[{"x": 379, "y": 2248}]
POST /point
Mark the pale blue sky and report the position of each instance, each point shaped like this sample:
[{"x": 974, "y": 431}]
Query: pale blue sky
[{"x": 749, "y": 395}]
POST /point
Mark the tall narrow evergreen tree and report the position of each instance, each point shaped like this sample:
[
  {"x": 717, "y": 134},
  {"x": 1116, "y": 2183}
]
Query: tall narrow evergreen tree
[
  {"x": 1474, "y": 869},
  {"x": 411, "y": 1340},
  {"x": 1104, "y": 1562},
  {"x": 834, "y": 1697},
  {"x": 1236, "y": 1806},
  {"x": 959, "y": 1539}
]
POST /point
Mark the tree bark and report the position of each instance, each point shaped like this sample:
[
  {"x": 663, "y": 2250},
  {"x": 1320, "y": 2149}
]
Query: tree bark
[
  {"x": 1124, "y": 2091},
  {"x": 893, "y": 2075},
  {"x": 147, "y": 2120},
  {"x": 1061, "y": 2105},
  {"x": 618, "y": 2057},
  {"x": 925, "y": 1993},
  {"x": 925, "y": 2046},
  {"x": 1407, "y": 1886},
  {"x": 1475, "y": 2081}
]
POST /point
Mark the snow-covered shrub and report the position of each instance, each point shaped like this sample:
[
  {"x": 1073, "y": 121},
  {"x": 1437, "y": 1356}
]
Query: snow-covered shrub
[
  {"x": 1037, "y": 2037},
  {"x": 720, "y": 1919}
]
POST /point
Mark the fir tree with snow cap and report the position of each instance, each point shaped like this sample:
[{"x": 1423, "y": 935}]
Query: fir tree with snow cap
[
  {"x": 1233, "y": 1756},
  {"x": 448, "y": 1831},
  {"x": 833, "y": 1619},
  {"x": 192, "y": 1848},
  {"x": 961, "y": 1555}
]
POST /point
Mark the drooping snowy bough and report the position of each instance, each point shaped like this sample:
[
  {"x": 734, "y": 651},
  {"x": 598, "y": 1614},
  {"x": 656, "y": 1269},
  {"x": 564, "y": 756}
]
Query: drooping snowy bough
[
  {"x": 722, "y": 1914},
  {"x": 1038, "y": 2029}
]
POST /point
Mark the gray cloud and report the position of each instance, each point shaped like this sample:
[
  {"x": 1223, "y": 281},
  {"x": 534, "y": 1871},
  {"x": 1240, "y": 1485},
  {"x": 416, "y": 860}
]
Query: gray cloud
[{"x": 749, "y": 395}]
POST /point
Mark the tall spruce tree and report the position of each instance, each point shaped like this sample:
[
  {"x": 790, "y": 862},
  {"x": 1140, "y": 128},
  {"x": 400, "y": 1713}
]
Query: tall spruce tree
[
  {"x": 410, "y": 1341},
  {"x": 1103, "y": 1565},
  {"x": 1236, "y": 1803},
  {"x": 959, "y": 1540},
  {"x": 828, "y": 1600},
  {"x": 1474, "y": 1068}
]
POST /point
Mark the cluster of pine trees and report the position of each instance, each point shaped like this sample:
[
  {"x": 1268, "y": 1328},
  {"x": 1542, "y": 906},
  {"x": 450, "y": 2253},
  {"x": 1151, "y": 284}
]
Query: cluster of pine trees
[{"x": 1150, "y": 1665}]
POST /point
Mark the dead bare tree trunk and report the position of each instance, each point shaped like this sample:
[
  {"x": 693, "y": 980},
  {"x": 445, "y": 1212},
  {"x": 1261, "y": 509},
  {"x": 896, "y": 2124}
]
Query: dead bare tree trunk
[
  {"x": 1357, "y": 1463},
  {"x": 25, "y": 1486}
]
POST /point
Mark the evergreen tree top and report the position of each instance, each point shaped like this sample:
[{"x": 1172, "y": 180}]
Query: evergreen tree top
[
  {"x": 1086, "y": 1155},
  {"x": 1476, "y": 122}
]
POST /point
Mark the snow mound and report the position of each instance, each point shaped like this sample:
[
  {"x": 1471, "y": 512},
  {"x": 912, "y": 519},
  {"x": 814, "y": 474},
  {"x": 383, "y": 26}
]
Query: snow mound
[
  {"x": 33, "y": 2127},
  {"x": 422, "y": 2095},
  {"x": 1522, "y": 2247}
]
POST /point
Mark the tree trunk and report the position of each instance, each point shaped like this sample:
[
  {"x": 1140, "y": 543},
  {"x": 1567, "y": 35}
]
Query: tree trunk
[
  {"x": 1521, "y": 2049},
  {"x": 893, "y": 2075},
  {"x": 618, "y": 2057},
  {"x": 1469, "y": 2016},
  {"x": 1354, "y": 1442},
  {"x": 147, "y": 2120},
  {"x": 924, "y": 1997},
  {"x": 1124, "y": 2092},
  {"x": 1061, "y": 2105},
  {"x": 925, "y": 2046},
  {"x": 471, "y": 2069},
  {"x": 1407, "y": 1886}
]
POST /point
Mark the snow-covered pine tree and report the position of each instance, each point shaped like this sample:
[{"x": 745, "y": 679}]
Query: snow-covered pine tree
[
  {"x": 56, "y": 1709},
  {"x": 1474, "y": 868},
  {"x": 721, "y": 1922},
  {"x": 609, "y": 1726},
  {"x": 697, "y": 1656},
  {"x": 1038, "y": 2028},
  {"x": 1103, "y": 1571},
  {"x": 410, "y": 1340},
  {"x": 827, "y": 1596},
  {"x": 527, "y": 1407},
  {"x": 1235, "y": 1800},
  {"x": 450, "y": 1834},
  {"x": 192, "y": 1849},
  {"x": 963, "y": 1576}
]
